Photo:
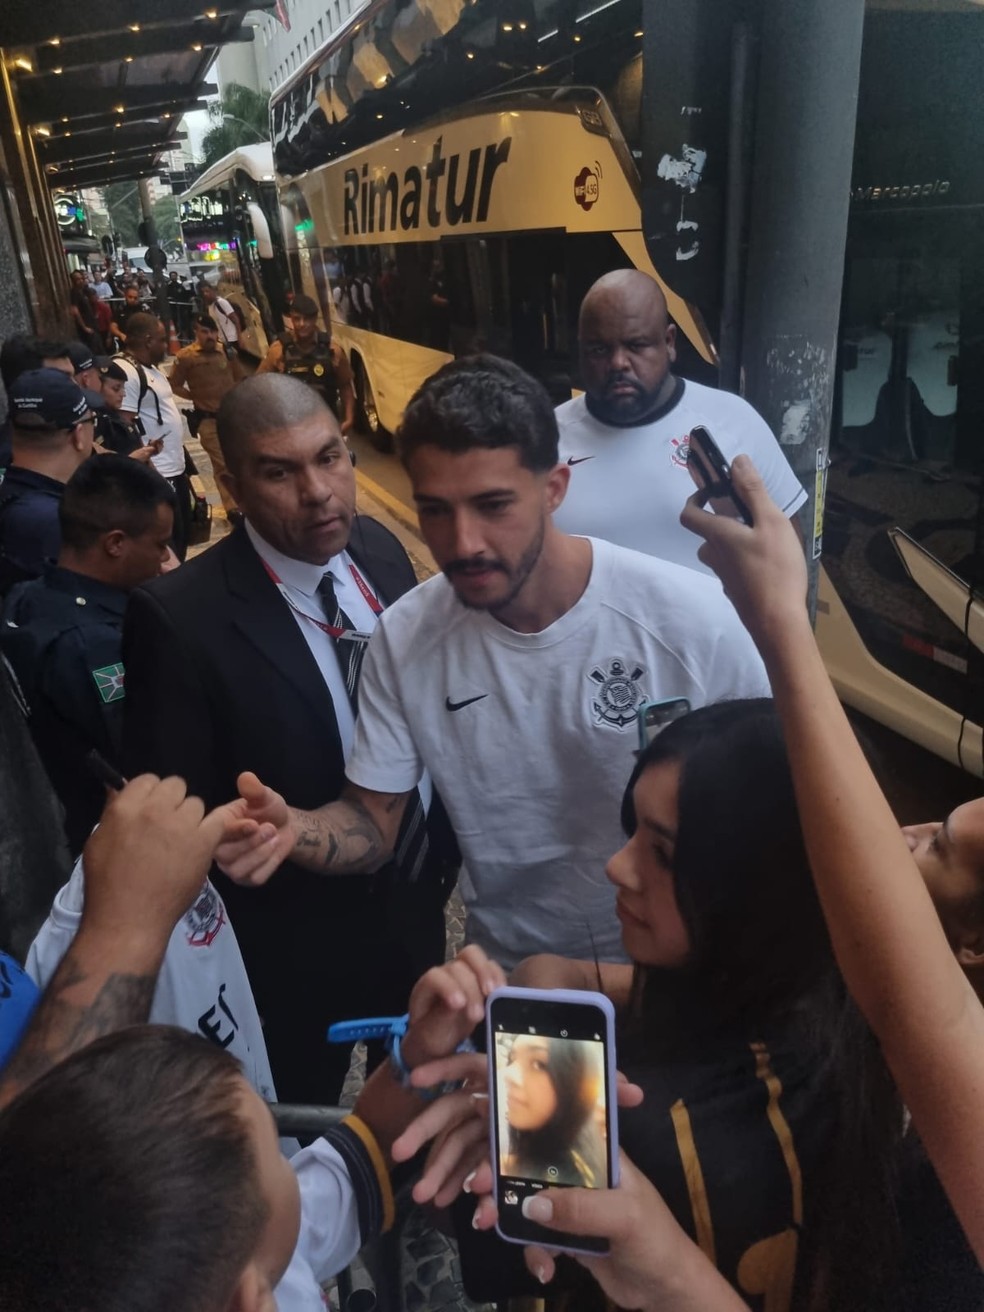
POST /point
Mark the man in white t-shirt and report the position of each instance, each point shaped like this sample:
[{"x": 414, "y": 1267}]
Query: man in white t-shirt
[
  {"x": 625, "y": 438},
  {"x": 224, "y": 315},
  {"x": 513, "y": 678},
  {"x": 149, "y": 405}
]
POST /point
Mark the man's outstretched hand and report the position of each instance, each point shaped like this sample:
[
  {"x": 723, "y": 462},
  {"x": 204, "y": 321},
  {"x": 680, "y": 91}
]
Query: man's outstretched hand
[{"x": 257, "y": 834}]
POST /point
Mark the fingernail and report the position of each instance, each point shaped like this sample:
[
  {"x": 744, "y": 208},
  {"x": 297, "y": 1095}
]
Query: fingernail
[
  {"x": 541, "y": 1274},
  {"x": 475, "y": 1220},
  {"x": 468, "y": 1181},
  {"x": 537, "y": 1208}
]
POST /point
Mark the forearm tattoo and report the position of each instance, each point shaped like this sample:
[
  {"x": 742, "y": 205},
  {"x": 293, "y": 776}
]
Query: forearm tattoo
[
  {"x": 343, "y": 839},
  {"x": 61, "y": 1026}
]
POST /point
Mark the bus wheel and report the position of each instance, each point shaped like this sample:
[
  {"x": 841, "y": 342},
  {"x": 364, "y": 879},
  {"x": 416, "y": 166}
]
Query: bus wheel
[{"x": 367, "y": 416}]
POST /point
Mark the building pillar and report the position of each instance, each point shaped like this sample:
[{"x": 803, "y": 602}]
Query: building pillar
[
  {"x": 27, "y": 213},
  {"x": 800, "y": 191}
]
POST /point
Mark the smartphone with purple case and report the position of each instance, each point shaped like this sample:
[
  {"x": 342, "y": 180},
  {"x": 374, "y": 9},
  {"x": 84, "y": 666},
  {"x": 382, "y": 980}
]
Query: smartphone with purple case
[{"x": 553, "y": 1118}]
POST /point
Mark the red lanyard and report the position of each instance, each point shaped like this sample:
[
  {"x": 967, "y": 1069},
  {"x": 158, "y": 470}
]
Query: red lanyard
[{"x": 350, "y": 635}]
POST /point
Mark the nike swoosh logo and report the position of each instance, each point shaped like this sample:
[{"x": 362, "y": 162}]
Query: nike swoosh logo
[
  {"x": 456, "y": 706},
  {"x": 578, "y": 460}
]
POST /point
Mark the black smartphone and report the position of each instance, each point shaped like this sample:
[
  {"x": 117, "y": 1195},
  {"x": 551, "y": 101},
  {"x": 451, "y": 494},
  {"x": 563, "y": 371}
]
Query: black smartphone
[
  {"x": 655, "y": 716},
  {"x": 553, "y": 1121},
  {"x": 706, "y": 459}
]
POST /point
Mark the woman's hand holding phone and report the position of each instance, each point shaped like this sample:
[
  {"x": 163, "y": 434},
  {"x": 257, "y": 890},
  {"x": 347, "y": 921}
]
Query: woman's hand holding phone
[{"x": 650, "y": 1262}]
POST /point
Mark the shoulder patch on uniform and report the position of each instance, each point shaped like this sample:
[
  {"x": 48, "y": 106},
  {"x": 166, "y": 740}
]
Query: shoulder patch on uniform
[{"x": 109, "y": 682}]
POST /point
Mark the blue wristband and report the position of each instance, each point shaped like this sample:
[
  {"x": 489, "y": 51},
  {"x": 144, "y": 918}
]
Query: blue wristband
[{"x": 392, "y": 1029}]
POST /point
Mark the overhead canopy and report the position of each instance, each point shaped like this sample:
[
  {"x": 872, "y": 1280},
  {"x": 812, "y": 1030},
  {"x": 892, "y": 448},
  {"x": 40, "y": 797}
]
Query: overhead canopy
[{"x": 102, "y": 87}]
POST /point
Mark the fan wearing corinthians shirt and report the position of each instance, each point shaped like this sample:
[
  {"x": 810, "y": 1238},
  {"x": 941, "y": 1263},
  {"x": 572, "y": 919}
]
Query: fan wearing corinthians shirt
[
  {"x": 513, "y": 677},
  {"x": 625, "y": 439}
]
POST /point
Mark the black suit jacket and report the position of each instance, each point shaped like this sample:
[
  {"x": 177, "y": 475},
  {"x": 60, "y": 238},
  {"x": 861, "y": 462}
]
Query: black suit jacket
[{"x": 219, "y": 679}]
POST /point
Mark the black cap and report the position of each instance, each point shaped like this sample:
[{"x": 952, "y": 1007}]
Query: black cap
[
  {"x": 80, "y": 356},
  {"x": 47, "y": 399},
  {"x": 206, "y": 321},
  {"x": 112, "y": 370}
]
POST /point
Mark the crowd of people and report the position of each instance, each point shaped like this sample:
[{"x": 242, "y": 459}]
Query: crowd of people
[{"x": 320, "y": 750}]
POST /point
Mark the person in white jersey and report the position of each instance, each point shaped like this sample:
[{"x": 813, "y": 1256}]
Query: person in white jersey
[
  {"x": 226, "y": 316},
  {"x": 513, "y": 677},
  {"x": 625, "y": 438},
  {"x": 150, "y": 407},
  {"x": 127, "y": 1145}
]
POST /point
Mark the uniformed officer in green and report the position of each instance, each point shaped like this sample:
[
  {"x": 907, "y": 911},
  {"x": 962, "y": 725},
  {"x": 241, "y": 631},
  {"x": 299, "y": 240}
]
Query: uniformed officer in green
[
  {"x": 63, "y": 633},
  {"x": 309, "y": 354}
]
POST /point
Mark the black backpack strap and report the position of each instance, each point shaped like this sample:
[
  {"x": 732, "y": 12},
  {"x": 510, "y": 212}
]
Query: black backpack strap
[{"x": 145, "y": 386}]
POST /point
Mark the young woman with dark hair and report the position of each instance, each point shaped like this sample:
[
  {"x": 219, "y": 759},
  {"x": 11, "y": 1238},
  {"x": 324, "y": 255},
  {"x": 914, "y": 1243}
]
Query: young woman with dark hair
[{"x": 769, "y": 1124}]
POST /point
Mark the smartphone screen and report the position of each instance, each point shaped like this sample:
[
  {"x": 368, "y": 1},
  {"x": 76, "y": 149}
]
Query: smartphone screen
[
  {"x": 655, "y": 716},
  {"x": 553, "y": 1121}
]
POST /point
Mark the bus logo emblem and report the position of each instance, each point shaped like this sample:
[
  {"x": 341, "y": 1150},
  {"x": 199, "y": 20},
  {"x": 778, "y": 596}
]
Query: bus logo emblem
[{"x": 587, "y": 186}]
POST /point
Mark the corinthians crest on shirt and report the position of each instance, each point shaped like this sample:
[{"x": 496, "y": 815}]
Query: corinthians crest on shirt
[
  {"x": 616, "y": 693},
  {"x": 204, "y": 918}
]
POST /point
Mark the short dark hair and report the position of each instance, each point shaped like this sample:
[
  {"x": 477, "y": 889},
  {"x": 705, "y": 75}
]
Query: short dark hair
[
  {"x": 304, "y": 305},
  {"x": 262, "y": 404},
  {"x": 140, "y": 326},
  {"x": 127, "y": 1172},
  {"x": 482, "y": 401},
  {"x": 21, "y": 352},
  {"x": 110, "y": 492}
]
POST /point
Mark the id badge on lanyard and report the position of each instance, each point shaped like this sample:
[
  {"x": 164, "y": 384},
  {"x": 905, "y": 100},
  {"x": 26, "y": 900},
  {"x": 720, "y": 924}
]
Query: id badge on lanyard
[{"x": 340, "y": 635}]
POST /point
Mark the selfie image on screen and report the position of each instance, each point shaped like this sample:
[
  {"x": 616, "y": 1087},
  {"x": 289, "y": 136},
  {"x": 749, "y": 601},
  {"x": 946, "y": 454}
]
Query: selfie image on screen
[{"x": 551, "y": 1109}]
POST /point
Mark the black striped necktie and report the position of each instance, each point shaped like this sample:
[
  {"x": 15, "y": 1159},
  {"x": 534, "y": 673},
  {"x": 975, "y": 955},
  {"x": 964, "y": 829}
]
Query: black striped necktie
[{"x": 411, "y": 841}]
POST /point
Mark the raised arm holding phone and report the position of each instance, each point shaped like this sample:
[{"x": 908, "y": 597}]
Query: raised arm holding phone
[{"x": 885, "y": 932}]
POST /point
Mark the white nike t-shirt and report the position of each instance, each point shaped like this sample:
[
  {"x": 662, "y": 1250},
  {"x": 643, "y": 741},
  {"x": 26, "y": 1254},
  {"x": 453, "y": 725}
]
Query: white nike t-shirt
[
  {"x": 530, "y": 737},
  {"x": 629, "y": 484}
]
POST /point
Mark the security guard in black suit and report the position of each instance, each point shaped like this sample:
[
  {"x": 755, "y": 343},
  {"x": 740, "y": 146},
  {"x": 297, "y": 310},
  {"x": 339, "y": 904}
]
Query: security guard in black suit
[
  {"x": 310, "y": 355},
  {"x": 62, "y": 634}
]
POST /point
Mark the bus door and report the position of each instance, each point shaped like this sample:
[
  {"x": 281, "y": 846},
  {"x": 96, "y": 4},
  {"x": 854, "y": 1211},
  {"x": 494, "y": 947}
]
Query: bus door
[
  {"x": 902, "y": 536},
  {"x": 508, "y": 295}
]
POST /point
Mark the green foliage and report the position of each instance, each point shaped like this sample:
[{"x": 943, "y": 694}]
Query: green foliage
[
  {"x": 122, "y": 200},
  {"x": 240, "y": 118},
  {"x": 165, "y": 212}
]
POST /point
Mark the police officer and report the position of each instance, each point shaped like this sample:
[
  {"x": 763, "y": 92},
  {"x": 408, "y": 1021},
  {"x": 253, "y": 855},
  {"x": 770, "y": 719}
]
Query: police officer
[
  {"x": 52, "y": 429},
  {"x": 63, "y": 633},
  {"x": 310, "y": 355},
  {"x": 203, "y": 373}
]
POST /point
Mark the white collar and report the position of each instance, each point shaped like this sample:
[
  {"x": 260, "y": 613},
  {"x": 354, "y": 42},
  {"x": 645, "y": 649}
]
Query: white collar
[{"x": 295, "y": 573}]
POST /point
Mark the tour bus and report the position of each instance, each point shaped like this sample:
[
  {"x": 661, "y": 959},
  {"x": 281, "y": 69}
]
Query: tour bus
[
  {"x": 232, "y": 227},
  {"x": 460, "y": 190}
]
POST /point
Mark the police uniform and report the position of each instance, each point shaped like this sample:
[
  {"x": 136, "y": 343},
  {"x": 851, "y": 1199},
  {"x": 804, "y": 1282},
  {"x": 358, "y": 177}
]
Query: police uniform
[
  {"x": 29, "y": 529},
  {"x": 324, "y": 368},
  {"x": 62, "y": 635},
  {"x": 207, "y": 376}
]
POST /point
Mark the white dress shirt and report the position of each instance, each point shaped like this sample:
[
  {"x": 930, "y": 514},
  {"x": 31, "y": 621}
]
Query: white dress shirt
[{"x": 299, "y": 587}]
